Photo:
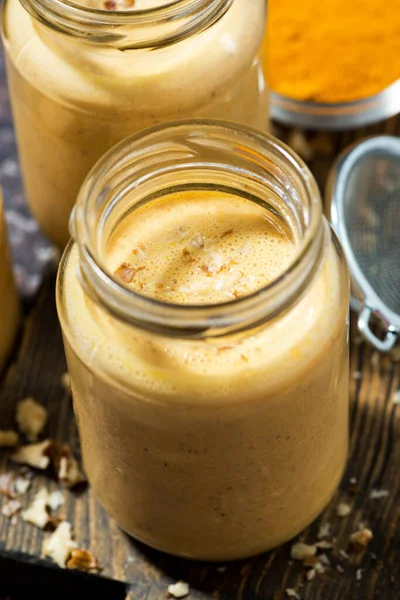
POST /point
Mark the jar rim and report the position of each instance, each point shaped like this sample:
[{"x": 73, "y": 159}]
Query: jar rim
[
  {"x": 182, "y": 18},
  {"x": 124, "y": 163}
]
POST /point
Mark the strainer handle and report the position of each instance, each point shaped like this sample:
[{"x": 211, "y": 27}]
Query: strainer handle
[{"x": 363, "y": 325}]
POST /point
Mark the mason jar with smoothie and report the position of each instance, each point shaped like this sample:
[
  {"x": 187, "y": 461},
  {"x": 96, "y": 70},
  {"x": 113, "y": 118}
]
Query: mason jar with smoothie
[
  {"x": 9, "y": 303},
  {"x": 204, "y": 301},
  {"x": 85, "y": 75}
]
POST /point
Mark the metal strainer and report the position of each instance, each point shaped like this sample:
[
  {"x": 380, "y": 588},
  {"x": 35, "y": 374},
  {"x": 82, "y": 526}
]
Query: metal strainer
[{"x": 363, "y": 196}]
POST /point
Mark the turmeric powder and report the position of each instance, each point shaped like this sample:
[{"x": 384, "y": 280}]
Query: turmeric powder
[{"x": 333, "y": 51}]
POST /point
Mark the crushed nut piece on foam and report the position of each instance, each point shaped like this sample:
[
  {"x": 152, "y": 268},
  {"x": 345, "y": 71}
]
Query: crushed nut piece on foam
[
  {"x": 343, "y": 510},
  {"x": 291, "y": 593},
  {"x": 66, "y": 382},
  {"x": 8, "y": 439},
  {"x": 60, "y": 544},
  {"x": 11, "y": 508},
  {"x": 302, "y": 551},
  {"x": 378, "y": 494},
  {"x": 197, "y": 241},
  {"x": 179, "y": 590},
  {"x": 67, "y": 468},
  {"x": 324, "y": 531},
  {"x": 31, "y": 418},
  {"x": 361, "y": 538},
  {"x": 126, "y": 272},
  {"x": 82, "y": 560},
  {"x": 34, "y": 455},
  {"x": 7, "y": 485},
  {"x": 37, "y": 513}
]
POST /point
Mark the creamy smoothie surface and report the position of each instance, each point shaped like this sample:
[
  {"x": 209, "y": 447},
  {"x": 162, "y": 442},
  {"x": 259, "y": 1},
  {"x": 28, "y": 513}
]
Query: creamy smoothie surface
[
  {"x": 217, "y": 448},
  {"x": 73, "y": 100},
  {"x": 9, "y": 304}
]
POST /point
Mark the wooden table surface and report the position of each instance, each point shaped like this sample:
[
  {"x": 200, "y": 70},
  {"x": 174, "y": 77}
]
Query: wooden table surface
[{"x": 35, "y": 370}]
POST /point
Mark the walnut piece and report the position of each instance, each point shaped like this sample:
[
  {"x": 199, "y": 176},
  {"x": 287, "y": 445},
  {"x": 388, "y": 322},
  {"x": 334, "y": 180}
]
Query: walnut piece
[
  {"x": 324, "y": 531},
  {"x": 34, "y": 455},
  {"x": 67, "y": 468},
  {"x": 179, "y": 590},
  {"x": 82, "y": 560},
  {"x": 361, "y": 538},
  {"x": 302, "y": 551},
  {"x": 378, "y": 494},
  {"x": 11, "y": 508},
  {"x": 291, "y": 593},
  {"x": 310, "y": 575},
  {"x": 60, "y": 544},
  {"x": 343, "y": 510},
  {"x": 37, "y": 513},
  {"x": 31, "y": 418},
  {"x": 7, "y": 485},
  {"x": 22, "y": 484},
  {"x": 8, "y": 439}
]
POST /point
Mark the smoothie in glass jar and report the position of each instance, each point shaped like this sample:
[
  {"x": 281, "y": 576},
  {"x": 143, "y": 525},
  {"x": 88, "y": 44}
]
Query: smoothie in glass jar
[
  {"x": 105, "y": 70},
  {"x": 204, "y": 305},
  {"x": 9, "y": 303}
]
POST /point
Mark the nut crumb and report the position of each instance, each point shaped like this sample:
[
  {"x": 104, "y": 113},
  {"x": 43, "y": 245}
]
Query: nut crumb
[
  {"x": 396, "y": 398},
  {"x": 197, "y": 241},
  {"x": 67, "y": 468},
  {"x": 343, "y": 510},
  {"x": 340, "y": 569},
  {"x": 344, "y": 554},
  {"x": 291, "y": 593},
  {"x": 7, "y": 485},
  {"x": 31, "y": 418},
  {"x": 8, "y": 439},
  {"x": 319, "y": 568},
  {"x": 60, "y": 544},
  {"x": 66, "y": 382},
  {"x": 178, "y": 590},
  {"x": 324, "y": 545},
  {"x": 82, "y": 560},
  {"x": 22, "y": 484},
  {"x": 361, "y": 538},
  {"x": 357, "y": 375},
  {"x": 378, "y": 494},
  {"x": 359, "y": 574},
  {"x": 324, "y": 531},
  {"x": 37, "y": 513},
  {"x": 34, "y": 455},
  {"x": 126, "y": 272},
  {"x": 325, "y": 560},
  {"x": 300, "y": 551},
  {"x": 310, "y": 561},
  {"x": 11, "y": 508},
  {"x": 310, "y": 575}
]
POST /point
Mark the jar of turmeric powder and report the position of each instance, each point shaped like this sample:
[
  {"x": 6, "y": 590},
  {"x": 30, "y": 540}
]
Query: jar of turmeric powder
[
  {"x": 329, "y": 66},
  {"x": 85, "y": 75}
]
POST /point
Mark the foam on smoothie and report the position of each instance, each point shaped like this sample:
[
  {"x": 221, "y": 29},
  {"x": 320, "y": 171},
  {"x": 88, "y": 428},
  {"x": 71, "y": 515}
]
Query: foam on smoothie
[{"x": 199, "y": 248}]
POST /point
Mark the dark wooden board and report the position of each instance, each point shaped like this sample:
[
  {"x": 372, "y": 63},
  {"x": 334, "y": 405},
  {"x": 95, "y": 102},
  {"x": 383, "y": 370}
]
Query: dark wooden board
[{"x": 36, "y": 369}]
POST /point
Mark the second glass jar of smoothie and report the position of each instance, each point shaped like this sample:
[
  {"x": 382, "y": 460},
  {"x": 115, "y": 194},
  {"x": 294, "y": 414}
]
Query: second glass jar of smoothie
[
  {"x": 204, "y": 303},
  {"x": 85, "y": 75},
  {"x": 9, "y": 303}
]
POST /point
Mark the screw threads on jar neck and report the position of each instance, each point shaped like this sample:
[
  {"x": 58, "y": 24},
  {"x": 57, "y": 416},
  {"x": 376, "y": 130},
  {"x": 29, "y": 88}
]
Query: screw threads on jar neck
[
  {"x": 194, "y": 155},
  {"x": 130, "y": 29}
]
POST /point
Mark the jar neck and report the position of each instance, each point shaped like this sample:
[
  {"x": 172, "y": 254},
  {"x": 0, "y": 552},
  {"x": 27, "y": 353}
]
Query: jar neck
[
  {"x": 130, "y": 29},
  {"x": 198, "y": 155}
]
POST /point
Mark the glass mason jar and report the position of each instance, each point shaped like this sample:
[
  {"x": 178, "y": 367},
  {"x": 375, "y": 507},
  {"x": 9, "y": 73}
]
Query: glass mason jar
[
  {"x": 209, "y": 430},
  {"x": 10, "y": 310},
  {"x": 83, "y": 79}
]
